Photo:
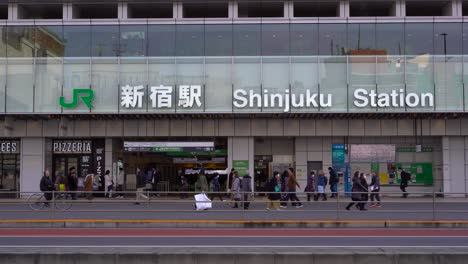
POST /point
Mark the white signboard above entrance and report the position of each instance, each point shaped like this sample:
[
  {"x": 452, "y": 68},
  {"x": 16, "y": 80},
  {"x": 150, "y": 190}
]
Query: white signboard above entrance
[
  {"x": 144, "y": 144},
  {"x": 372, "y": 153}
]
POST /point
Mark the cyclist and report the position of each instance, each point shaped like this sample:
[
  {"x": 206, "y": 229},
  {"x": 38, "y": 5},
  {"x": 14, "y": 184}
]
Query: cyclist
[{"x": 46, "y": 186}]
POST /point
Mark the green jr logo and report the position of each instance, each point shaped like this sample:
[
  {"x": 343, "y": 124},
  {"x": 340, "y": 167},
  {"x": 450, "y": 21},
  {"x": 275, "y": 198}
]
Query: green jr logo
[{"x": 86, "y": 95}]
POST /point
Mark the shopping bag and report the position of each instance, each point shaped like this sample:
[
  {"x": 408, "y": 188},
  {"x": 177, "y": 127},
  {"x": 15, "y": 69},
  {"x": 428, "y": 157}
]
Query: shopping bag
[{"x": 202, "y": 202}]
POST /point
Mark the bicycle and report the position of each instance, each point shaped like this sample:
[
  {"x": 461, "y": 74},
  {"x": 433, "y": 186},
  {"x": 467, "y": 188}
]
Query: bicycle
[{"x": 37, "y": 201}]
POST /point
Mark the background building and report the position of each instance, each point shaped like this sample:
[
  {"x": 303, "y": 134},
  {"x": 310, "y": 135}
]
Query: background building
[{"x": 260, "y": 85}]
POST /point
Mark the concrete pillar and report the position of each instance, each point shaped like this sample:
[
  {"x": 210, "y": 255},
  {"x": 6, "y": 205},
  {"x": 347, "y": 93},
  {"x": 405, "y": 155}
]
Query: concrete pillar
[
  {"x": 454, "y": 160},
  {"x": 400, "y": 9},
  {"x": 231, "y": 8},
  {"x": 450, "y": 8},
  {"x": 12, "y": 11},
  {"x": 122, "y": 10},
  {"x": 32, "y": 164},
  {"x": 108, "y": 155},
  {"x": 235, "y": 9},
  {"x": 67, "y": 12},
  {"x": 344, "y": 9},
  {"x": 300, "y": 153},
  {"x": 241, "y": 149},
  {"x": 178, "y": 10}
]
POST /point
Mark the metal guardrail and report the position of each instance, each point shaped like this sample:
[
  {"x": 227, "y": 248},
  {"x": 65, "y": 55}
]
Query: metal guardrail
[{"x": 432, "y": 205}]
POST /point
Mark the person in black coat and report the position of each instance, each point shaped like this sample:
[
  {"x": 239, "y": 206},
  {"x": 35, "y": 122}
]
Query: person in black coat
[
  {"x": 355, "y": 191},
  {"x": 72, "y": 181},
  {"x": 334, "y": 180},
  {"x": 405, "y": 178},
  {"x": 47, "y": 186},
  {"x": 364, "y": 192}
]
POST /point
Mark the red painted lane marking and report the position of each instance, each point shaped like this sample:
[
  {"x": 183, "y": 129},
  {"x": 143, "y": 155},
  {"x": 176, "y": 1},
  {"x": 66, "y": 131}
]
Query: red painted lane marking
[{"x": 232, "y": 232}]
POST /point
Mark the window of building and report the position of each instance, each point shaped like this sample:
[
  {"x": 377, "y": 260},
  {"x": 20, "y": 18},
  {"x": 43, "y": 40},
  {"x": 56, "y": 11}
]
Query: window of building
[
  {"x": 94, "y": 11},
  {"x": 190, "y": 40},
  {"x": 105, "y": 41},
  {"x": 390, "y": 38},
  {"x": 77, "y": 41},
  {"x": 316, "y": 9},
  {"x": 428, "y": 8},
  {"x": 40, "y": 11},
  {"x": 133, "y": 40},
  {"x": 260, "y": 9},
  {"x": 371, "y": 9},
  {"x": 3, "y": 11},
  {"x": 150, "y": 10},
  {"x": 247, "y": 40},
  {"x": 275, "y": 39},
  {"x": 419, "y": 38},
  {"x": 218, "y": 40},
  {"x": 361, "y": 39},
  {"x": 332, "y": 39},
  {"x": 448, "y": 38},
  {"x": 161, "y": 40},
  {"x": 50, "y": 41},
  {"x": 304, "y": 39},
  {"x": 205, "y": 10},
  {"x": 21, "y": 41}
]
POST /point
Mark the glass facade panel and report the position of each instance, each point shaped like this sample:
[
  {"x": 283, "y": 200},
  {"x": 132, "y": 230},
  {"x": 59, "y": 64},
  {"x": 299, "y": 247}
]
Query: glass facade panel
[
  {"x": 21, "y": 41},
  {"x": 20, "y": 80},
  {"x": 465, "y": 80},
  {"x": 247, "y": 76},
  {"x": 333, "y": 81},
  {"x": 133, "y": 72},
  {"x": 218, "y": 40},
  {"x": 448, "y": 83},
  {"x": 362, "y": 77},
  {"x": 419, "y": 38},
  {"x": 161, "y": 40},
  {"x": 275, "y": 76},
  {"x": 77, "y": 41},
  {"x": 247, "y": 40},
  {"x": 361, "y": 39},
  {"x": 304, "y": 76},
  {"x": 190, "y": 40},
  {"x": 133, "y": 40},
  {"x": 275, "y": 40},
  {"x": 162, "y": 72},
  {"x": 105, "y": 84},
  {"x": 332, "y": 39},
  {"x": 105, "y": 41},
  {"x": 390, "y": 77},
  {"x": 448, "y": 38},
  {"x": 419, "y": 78},
  {"x": 3, "y": 78},
  {"x": 304, "y": 39},
  {"x": 48, "y": 84},
  {"x": 218, "y": 84},
  {"x": 3, "y": 41},
  {"x": 76, "y": 75},
  {"x": 390, "y": 38},
  {"x": 190, "y": 84},
  {"x": 50, "y": 41}
]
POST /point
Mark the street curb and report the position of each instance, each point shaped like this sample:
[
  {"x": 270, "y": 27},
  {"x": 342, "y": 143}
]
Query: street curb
[{"x": 100, "y": 223}]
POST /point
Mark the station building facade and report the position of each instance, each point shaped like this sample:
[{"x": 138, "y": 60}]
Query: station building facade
[{"x": 259, "y": 87}]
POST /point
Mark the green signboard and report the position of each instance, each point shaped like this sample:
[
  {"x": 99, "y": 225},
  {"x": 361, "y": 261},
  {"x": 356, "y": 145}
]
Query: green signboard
[
  {"x": 167, "y": 149},
  {"x": 338, "y": 153},
  {"x": 242, "y": 166},
  {"x": 421, "y": 173},
  {"x": 413, "y": 149},
  {"x": 375, "y": 167}
]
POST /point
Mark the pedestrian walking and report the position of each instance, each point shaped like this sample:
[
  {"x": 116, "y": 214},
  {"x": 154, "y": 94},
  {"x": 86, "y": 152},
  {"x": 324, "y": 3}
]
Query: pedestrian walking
[
  {"x": 292, "y": 184},
  {"x": 405, "y": 178},
  {"x": 375, "y": 190},
  {"x": 140, "y": 184},
  {"x": 355, "y": 192},
  {"x": 120, "y": 176},
  {"x": 201, "y": 185},
  {"x": 273, "y": 188},
  {"x": 310, "y": 187},
  {"x": 284, "y": 189},
  {"x": 236, "y": 188},
  {"x": 246, "y": 188},
  {"x": 46, "y": 186},
  {"x": 334, "y": 180},
  {"x": 72, "y": 181},
  {"x": 155, "y": 177},
  {"x": 364, "y": 191},
  {"x": 183, "y": 185},
  {"x": 88, "y": 186},
  {"x": 109, "y": 184},
  {"x": 216, "y": 188},
  {"x": 321, "y": 185}
]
